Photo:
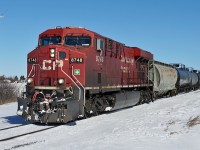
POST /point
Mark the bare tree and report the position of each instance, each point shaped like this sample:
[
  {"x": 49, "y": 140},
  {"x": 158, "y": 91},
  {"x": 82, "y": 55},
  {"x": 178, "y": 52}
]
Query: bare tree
[{"x": 7, "y": 93}]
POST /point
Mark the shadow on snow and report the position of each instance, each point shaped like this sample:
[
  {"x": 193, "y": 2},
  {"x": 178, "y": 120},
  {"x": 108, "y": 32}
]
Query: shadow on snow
[
  {"x": 15, "y": 120},
  {"x": 18, "y": 120}
]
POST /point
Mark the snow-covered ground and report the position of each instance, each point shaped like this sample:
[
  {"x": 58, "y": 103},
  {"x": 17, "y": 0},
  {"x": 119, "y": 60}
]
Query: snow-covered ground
[{"x": 167, "y": 124}]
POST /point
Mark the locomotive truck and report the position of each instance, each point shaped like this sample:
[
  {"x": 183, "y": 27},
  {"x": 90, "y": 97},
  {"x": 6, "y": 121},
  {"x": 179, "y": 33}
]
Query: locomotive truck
[{"x": 76, "y": 73}]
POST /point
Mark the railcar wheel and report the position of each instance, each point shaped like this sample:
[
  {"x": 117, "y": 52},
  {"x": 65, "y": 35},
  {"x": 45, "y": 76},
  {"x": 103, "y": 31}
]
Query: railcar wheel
[
  {"x": 145, "y": 97},
  {"x": 154, "y": 96}
]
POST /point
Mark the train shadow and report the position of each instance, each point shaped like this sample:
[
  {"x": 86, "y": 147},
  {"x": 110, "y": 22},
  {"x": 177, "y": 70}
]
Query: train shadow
[
  {"x": 18, "y": 120},
  {"x": 71, "y": 123},
  {"x": 15, "y": 120}
]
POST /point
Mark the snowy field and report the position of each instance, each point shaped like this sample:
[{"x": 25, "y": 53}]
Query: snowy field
[{"x": 167, "y": 124}]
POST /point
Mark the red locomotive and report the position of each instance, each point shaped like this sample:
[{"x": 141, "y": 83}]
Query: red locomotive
[{"x": 75, "y": 72}]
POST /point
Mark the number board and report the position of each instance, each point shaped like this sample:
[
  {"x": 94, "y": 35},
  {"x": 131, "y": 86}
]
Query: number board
[
  {"x": 76, "y": 60},
  {"x": 31, "y": 60}
]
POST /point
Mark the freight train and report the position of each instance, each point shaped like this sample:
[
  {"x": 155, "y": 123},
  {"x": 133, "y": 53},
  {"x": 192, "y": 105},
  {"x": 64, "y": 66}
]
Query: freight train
[{"x": 77, "y": 73}]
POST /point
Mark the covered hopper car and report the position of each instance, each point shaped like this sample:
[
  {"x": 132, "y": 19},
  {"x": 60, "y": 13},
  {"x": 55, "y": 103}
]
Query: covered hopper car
[{"x": 164, "y": 78}]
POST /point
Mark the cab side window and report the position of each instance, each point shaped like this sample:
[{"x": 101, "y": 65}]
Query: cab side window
[{"x": 100, "y": 44}]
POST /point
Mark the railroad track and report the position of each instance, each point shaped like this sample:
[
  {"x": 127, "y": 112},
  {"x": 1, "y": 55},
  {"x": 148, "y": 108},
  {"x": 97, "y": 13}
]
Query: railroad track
[
  {"x": 24, "y": 134},
  {"x": 13, "y": 127}
]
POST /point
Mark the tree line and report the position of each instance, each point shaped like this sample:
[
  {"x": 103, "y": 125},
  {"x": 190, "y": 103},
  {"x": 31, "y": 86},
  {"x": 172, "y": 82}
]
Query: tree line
[
  {"x": 8, "y": 92},
  {"x": 11, "y": 79}
]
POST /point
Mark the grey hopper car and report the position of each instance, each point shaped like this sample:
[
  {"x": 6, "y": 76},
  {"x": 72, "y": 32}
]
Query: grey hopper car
[{"x": 164, "y": 78}]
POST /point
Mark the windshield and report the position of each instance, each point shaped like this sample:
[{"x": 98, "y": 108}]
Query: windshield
[
  {"x": 78, "y": 40},
  {"x": 51, "y": 40}
]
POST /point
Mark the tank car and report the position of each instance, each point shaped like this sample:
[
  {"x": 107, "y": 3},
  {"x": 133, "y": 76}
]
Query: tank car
[
  {"x": 75, "y": 72},
  {"x": 195, "y": 79},
  {"x": 187, "y": 79},
  {"x": 198, "y": 73}
]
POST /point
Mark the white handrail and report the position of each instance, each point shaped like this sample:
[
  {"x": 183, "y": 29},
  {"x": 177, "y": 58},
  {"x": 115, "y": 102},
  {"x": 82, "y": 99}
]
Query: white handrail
[
  {"x": 33, "y": 67},
  {"x": 73, "y": 82}
]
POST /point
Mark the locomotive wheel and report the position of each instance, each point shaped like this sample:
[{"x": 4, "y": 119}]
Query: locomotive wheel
[
  {"x": 98, "y": 106},
  {"x": 173, "y": 93},
  {"x": 94, "y": 106}
]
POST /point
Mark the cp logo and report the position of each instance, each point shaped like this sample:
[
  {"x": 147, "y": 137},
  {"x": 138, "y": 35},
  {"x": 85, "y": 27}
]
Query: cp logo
[{"x": 51, "y": 65}]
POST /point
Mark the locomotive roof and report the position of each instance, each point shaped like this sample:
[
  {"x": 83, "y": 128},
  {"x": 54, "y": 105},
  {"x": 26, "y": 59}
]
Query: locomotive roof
[
  {"x": 81, "y": 30},
  {"x": 65, "y": 30},
  {"x": 75, "y": 30}
]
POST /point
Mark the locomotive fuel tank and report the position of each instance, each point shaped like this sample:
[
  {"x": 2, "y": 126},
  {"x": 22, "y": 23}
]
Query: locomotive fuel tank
[
  {"x": 126, "y": 99},
  {"x": 164, "y": 77}
]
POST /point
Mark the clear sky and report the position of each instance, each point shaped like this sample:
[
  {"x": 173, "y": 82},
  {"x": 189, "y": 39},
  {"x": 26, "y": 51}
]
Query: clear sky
[{"x": 170, "y": 29}]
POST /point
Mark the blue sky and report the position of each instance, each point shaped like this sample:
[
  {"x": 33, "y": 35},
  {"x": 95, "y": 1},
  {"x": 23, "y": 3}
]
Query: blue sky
[{"x": 170, "y": 29}]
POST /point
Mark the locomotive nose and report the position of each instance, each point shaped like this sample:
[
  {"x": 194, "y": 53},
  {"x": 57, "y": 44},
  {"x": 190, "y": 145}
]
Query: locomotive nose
[{"x": 59, "y": 111}]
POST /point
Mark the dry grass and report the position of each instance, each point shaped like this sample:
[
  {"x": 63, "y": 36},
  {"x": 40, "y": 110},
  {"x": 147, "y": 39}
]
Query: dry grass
[
  {"x": 10, "y": 100},
  {"x": 193, "y": 121}
]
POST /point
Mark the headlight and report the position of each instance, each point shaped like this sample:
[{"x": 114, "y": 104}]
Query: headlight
[
  {"x": 52, "y": 52},
  {"x": 30, "y": 80},
  {"x": 60, "y": 81}
]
